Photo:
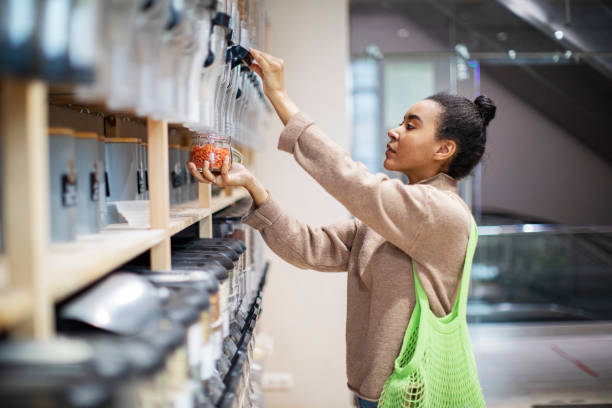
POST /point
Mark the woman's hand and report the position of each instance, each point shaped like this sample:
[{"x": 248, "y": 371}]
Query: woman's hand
[
  {"x": 238, "y": 175},
  {"x": 271, "y": 70}
]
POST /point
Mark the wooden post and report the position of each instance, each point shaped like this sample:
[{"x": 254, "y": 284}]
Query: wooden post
[
  {"x": 26, "y": 198},
  {"x": 159, "y": 189},
  {"x": 205, "y": 200}
]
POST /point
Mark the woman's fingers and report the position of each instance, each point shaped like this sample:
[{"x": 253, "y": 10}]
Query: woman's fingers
[
  {"x": 261, "y": 58},
  {"x": 257, "y": 69},
  {"x": 207, "y": 174},
  {"x": 225, "y": 170},
  {"x": 194, "y": 171}
]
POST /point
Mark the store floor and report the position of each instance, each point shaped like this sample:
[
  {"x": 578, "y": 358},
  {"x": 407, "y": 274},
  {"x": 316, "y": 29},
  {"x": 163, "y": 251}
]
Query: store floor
[{"x": 544, "y": 365}]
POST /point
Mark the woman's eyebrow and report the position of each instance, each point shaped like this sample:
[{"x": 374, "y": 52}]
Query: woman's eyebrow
[{"x": 413, "y": 116}]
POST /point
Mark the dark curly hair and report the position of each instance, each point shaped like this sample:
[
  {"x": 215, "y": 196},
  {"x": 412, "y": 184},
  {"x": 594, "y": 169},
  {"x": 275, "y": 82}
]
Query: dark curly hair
[{"x": 466, "y": 123}]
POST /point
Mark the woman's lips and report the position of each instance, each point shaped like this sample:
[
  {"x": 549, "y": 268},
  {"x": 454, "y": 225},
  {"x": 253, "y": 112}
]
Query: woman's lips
[{"x": 390, "y": 150}]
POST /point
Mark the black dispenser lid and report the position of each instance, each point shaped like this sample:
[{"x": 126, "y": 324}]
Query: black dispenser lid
[
  {"x": 177, "y": 278},
  {"x": 211, "y": 266},
  {"x": 210, "y": 249}
]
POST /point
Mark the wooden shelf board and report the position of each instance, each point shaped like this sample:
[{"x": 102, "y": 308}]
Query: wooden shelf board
[
  {"x": 75, "y": 265},
  {"x": 221, "y": 201},
  {"x": 185, "y": 215}
]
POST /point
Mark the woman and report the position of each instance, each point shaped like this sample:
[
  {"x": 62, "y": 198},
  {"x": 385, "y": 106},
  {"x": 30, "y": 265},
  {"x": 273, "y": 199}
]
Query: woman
[{"x": 439, "y": 140}]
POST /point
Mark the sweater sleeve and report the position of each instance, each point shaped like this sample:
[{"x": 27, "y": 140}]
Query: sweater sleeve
[
  {"x": 324, "y": 249},
  {"x": 395, "y": 210}
]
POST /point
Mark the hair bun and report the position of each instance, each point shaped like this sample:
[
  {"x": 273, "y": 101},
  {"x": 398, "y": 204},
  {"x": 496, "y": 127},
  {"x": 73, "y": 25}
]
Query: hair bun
[{"x": 486, "y": 107}]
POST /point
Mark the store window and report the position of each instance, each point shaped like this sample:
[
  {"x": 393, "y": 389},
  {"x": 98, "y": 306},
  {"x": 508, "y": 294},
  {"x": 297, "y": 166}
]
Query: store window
[{"x": 366, "y": 113}]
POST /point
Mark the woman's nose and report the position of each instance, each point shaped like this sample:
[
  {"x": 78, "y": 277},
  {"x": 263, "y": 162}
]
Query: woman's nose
[{"x": 393, "y": 135}]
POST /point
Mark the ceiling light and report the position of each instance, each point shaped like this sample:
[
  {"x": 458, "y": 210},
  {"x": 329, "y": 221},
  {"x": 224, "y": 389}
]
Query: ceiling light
[
  {"x": 559, "y": 35},
  {"x": 403, "y": 33},
  {"x": 568, "y": 54},
  {"x": 512, "y": 54}
]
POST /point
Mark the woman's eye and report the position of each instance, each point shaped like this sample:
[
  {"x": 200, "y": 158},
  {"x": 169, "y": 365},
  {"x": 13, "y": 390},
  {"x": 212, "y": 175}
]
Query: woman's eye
[{"x": 409, "y": 126}]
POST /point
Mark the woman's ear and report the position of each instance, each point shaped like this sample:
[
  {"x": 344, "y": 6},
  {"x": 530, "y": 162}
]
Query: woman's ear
[{"x": 445, "y": 149}]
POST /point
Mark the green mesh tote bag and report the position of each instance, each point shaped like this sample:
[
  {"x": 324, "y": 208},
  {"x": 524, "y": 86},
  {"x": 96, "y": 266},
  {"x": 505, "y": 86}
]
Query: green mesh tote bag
[{"x": 436, "y": 366}]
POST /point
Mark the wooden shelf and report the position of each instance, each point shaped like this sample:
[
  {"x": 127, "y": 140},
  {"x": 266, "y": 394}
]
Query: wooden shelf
[
  {"x": 221, "y": 201},
  {"x": 185, "y": 215},
  {"x": 75, "y": 265}
]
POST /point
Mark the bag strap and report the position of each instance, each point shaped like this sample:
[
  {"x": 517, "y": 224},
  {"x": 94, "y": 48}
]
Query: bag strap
[{"x": 460, "y": 305}]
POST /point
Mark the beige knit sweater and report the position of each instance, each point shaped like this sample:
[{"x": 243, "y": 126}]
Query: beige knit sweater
[{"x": 394, "y": 223}]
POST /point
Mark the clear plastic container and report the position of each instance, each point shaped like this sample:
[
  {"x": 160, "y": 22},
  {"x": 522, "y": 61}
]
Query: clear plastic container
[
  {"x": 176, "y": 173},
  {"x": 122, "y": 158},
  {"x": 142, "y": 178},
  {"x": 187, "y": 180},
  {"x": 149, "y": 22},
  {"x": 120, "y": 40},
  {"x": 212, "y": 75},
  {"x": 144, "y": 148},
  {"x": 211, "y": 148},
  {"x": 102, "y": 179},
  {"x": 63, "y": 184},
  {"x": 83, "y": 41},
  {"x": 18, "y": 49},
  {"x": 86, "y": 153}
]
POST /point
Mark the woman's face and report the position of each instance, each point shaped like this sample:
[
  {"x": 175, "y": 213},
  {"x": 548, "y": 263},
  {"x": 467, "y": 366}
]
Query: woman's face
[{"x": 412, "y": 146}]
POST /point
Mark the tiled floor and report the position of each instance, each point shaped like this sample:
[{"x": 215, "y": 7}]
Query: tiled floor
[{"x": 546, "y": 364}]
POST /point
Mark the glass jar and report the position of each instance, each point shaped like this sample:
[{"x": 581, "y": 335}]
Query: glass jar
[{"x": 213, "y": 149}]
